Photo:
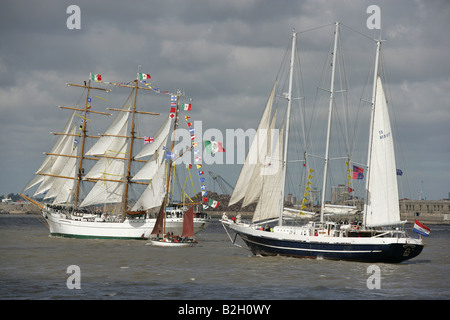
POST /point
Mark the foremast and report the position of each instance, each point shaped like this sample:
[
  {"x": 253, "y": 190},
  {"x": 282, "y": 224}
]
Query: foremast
[{"x": 84, "y": 136}]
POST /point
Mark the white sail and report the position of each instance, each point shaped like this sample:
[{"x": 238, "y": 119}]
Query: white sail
[
  {"x": 383, "y": 205},
  {"x": 49, "y": 159},
  {"x": 160, "y": 139},
  {"x": 272, "y": 182},
  {"x": 64, "y": 187},
  {"x": 109, "y": 191},
  {"x": 111, "y": 166},
  {"x": 264, "y": 154},
  {"x": 57, "y": 163},
  {"x": 115, "y": 129},
  {"x": 151, "y": 167},
  {"x": 251, "y": 161},
  {"x": 154, "y": 194}
]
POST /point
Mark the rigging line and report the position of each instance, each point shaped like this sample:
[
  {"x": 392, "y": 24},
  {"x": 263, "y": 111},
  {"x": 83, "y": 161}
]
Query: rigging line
[
  {"x": 360, "y": 33},
  {"x": 316, "y": 28}
]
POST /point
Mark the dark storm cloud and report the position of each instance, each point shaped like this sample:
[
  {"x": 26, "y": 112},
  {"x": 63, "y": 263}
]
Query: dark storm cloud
[{"x": 225, "y": 54}]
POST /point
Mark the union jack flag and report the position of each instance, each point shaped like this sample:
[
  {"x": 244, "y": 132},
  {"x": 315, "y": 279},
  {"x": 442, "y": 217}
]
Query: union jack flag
[{"x": 148, "y": 140}]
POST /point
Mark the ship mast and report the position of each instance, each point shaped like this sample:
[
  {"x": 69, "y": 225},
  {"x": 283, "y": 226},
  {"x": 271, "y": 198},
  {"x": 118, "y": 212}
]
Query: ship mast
[
  {"x": 288, "y": 113},
  {"x": 83, "y": 134},
  {"x": 369, "y": 153},
  {"x": 175, "y": 125},
  {"x": 330, "y": 112},
  {"x": 132, "y": 137}
]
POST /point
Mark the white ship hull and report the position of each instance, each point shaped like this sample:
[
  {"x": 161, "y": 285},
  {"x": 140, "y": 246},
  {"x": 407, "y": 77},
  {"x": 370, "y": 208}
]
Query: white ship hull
[{"x": 129, "y": 229}]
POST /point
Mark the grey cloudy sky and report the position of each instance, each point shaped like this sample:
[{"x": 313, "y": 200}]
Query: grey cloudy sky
[{"x": 223, "y": 53}]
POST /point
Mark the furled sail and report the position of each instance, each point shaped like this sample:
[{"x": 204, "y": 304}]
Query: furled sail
[{"x": 383, "y": 205}]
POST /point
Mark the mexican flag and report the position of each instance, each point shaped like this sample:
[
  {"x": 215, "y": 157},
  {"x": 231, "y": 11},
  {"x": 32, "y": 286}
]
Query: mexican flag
[
  {"x": 96, "y": 77},
  {"x": 213, "y": 147},
  {"x": 186, "y": 106},
  {"x": 213, "y": 203},
  {"x": 143, "y": 76}
]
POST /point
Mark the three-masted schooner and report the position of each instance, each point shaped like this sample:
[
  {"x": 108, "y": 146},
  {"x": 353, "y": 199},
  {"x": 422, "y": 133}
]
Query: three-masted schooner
[
  {"x": 380, "y": 237},
  {"x": 63, "y": 171}
]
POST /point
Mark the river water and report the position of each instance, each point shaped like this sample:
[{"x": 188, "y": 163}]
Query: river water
[{"x": 34, "y": 265}]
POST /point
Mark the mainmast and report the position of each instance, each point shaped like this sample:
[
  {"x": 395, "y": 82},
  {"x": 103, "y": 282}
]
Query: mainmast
[
  {"x": 369, "y": 153},
  {"x": 288, "y": 114},
  {"x": 330, "y": 113},
  {"x": 132, "y": 137},
  {"x": 130, "y": 152}
]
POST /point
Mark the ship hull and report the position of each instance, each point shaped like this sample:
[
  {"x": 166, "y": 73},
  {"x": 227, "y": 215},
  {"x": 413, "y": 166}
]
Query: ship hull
[
  {"x": 130, "y": 229},
  {"x": 389, "y": 250}
]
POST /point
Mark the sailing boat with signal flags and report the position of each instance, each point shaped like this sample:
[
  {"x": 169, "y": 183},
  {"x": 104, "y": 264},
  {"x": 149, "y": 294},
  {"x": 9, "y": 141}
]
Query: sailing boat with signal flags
[
  {"x": 107, "y": 210},
  {"x": 380, "y": 237}
]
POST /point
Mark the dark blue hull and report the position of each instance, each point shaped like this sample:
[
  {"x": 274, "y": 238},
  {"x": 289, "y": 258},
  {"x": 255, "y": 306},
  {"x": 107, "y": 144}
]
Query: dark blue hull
[{"x": 391, "y": 253}]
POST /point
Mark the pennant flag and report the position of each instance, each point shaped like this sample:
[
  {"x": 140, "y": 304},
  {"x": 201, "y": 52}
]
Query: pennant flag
[
  {"x": 213, "y": 203},
  {"x": 204, "y": 193},
  {"x": 358, "y": 173},
  {"x": 186, "y": 106},
  {"x": 200, "y": 172},
  {"x": 203, "y": 188},
  {"x": 187, "y": 117},
  {"x": 198, "y": 166},
  {"x": 205, "y": 199},
  {"x": 350, "y": 189},
  {"x": 399, "y": 172},
  {"x": 421, "y": 228},
  {"x": 148, "y": 140},
  {"x": 205, "y": 207},
  {"x": 96, "y": 77},
  {"x": 202, "y": 180},
  {"x": 213, "y": 147},
  {"x": 191, "y": 131},
  {"x": 173, "y": 104},
  {"x": 143, "y": 76},
  {"x": 189, "y": 124},
  {"x": 310, "y": 170},
  {"x": 189, "y": 166}
]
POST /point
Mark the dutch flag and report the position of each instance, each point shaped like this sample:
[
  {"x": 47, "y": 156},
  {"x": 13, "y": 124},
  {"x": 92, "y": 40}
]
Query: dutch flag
[{"x": 421, "y": 228}]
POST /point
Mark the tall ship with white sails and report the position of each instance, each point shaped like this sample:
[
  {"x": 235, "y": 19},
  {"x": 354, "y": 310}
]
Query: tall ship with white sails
[
  {"x": 107, "y": 210},
  {"x": 276, "y": 230}
]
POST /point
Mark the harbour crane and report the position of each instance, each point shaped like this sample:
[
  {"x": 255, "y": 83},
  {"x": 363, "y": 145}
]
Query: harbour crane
[{"x": 221, "y": 182}]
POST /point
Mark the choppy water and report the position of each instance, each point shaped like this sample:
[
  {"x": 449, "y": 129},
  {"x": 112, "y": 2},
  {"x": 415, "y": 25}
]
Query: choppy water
[{"x": 34, "y": 265}]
